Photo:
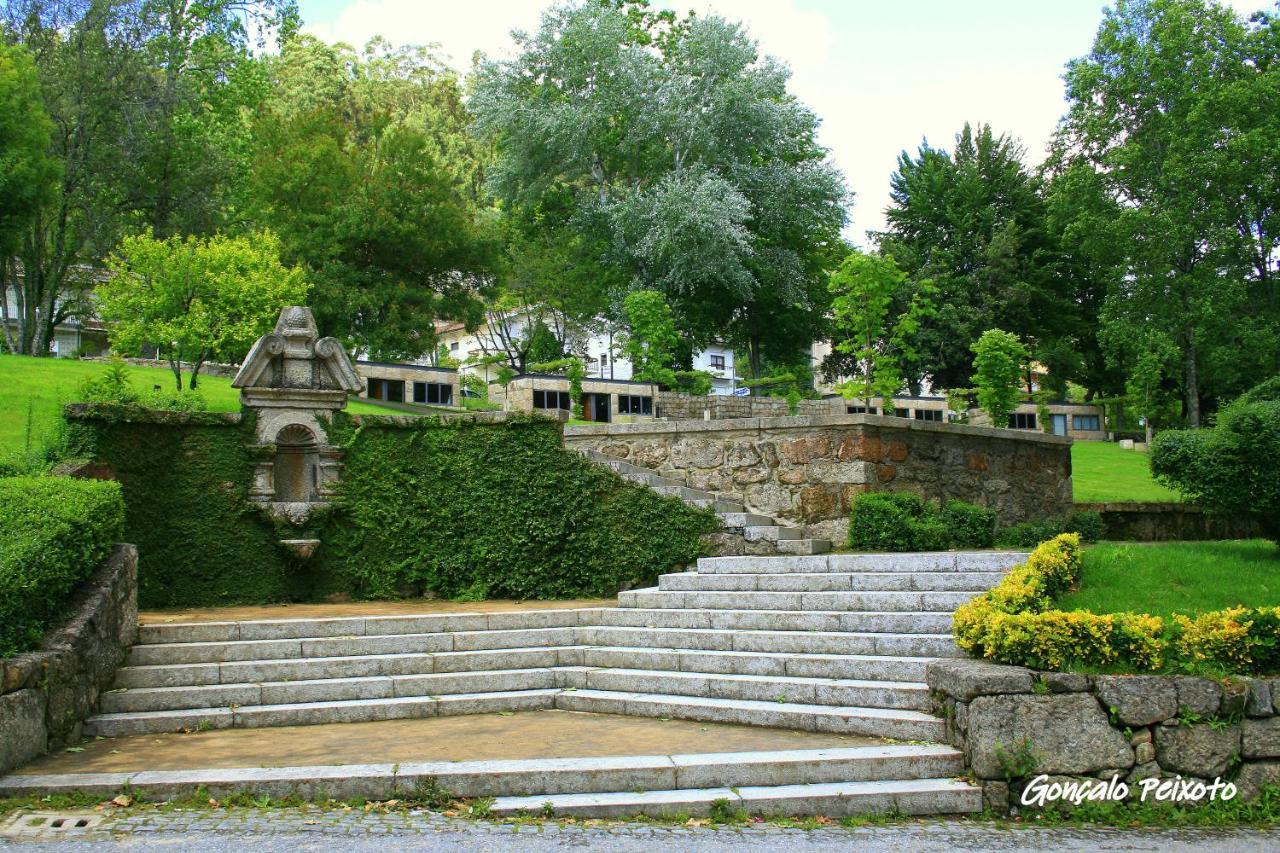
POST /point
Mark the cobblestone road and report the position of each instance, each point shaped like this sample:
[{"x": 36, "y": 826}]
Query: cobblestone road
[{"x": 288, "y": 830}]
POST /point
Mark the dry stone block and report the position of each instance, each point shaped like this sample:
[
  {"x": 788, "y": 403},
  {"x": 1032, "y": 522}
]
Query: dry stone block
[
  {"x": 1138, "y": 700},
  {"x": 23, "y": 735},
  {"x": 1065, "y": 682},
  {"x": 1201, "y": 750},
  {"x": 1259, "y": 702},
  {"x": 696, "y": 453},
  {"x": 1261, "y": 738},
  {"x": 1235, "y": 698},
  {"x": 1255, "y": 776},
  {"x": 1200, "y": 696},
  {"x": 1068, "y": 733},
  {"x": 965, "y": 679}
]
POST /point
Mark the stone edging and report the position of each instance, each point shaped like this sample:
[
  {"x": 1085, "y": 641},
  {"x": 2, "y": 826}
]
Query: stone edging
[
  {"x": 45, "y": 694},
  {"x": 1013, "y": 723}
]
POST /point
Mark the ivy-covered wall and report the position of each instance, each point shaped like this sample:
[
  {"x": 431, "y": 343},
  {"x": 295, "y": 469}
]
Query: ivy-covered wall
[{"x": 458, "y": 507}]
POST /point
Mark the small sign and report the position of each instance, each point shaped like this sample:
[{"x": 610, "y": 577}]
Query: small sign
[{"x": 742, "y": 392}]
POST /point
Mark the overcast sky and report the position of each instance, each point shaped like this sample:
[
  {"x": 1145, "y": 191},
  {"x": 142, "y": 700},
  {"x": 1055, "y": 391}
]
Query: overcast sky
[{"x": 881, "y": 75}]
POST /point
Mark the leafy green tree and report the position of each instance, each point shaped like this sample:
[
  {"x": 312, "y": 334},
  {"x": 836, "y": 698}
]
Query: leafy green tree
[
  {"x": 673, "y": 151},
  {"x": 364, "y": 168},
  {"x": 999, "y": 363},
  {"x": 971, "y": 222},
  {"x": 864, "y": 289},
  {"x": 1174, "y": 95},
  {"x": 28, "y": 176},
  {"x": 195, "y": 298},
  {"x": 651, "y": 339}
]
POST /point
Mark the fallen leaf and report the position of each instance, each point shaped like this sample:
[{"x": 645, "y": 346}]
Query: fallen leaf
[
  {"x": 75, "y": 749},
  {"x": 122, "y": 800}
]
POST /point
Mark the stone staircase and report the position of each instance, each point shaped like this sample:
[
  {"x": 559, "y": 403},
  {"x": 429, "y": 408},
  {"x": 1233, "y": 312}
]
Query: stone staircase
[
  {"x": 743, "y": 532},
  {"x": 827, "y": 643}
]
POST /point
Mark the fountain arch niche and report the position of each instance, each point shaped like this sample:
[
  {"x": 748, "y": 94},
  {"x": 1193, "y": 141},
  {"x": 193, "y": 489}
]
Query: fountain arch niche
[{"x": 292, "y": 381}]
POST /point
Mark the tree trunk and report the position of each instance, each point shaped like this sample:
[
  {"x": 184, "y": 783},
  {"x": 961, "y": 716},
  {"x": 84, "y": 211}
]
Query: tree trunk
[
  {"x": 754, "y": 357},
  {"x": 175, "y": 364},
  {"x": 1192, "y": 381}
]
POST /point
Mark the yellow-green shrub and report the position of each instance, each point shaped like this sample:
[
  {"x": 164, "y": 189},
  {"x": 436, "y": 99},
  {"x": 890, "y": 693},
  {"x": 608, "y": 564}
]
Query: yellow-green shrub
[{"x": 1015, "y": 623}]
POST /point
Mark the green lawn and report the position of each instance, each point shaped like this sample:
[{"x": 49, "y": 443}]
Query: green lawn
[
  {"x": 43, "y": 385},
  {"x": 1177, "y": 577},
  {"x": 1102, "y": 472}
]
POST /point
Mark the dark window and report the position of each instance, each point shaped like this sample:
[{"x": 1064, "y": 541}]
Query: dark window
[
  {"x": 604, "y": 359},
  {"x": 433, "y": 393},
  {"x": 453, "y": 347},
  {"x": 1089, "y": 423},
  {"x": 633, "y": 404},
  {"x": 1022, "y": 420},
  {"x": 717, "y": 362},
  {"x": 391, "y": 390},
  {"x": 929, "y": 415},
  {"x": 551, "y": 400},
  {"x": 860, "y": 410}
]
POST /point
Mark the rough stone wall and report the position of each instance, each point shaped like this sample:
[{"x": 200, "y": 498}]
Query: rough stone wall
[
  {"x": 808, "y": 470},
  {"x": 45, "y": 694},
  {"x": 1014, "y": 724},
  {"x": 1159, "y": 522}
]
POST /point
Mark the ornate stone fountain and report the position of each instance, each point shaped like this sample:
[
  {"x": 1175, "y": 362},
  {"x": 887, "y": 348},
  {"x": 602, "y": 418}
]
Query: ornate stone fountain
[{"x": 291, "y": 380}]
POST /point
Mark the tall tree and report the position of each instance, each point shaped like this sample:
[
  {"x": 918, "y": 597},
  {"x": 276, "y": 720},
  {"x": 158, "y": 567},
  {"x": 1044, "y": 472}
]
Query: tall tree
[
  {"x": 1162, "y": 108},
  {"x": 972, "y": 221},
  {"x": 673, "y": 150},
  {"x": 364, "y": 167},
  {"x": 27, "y": 176}
]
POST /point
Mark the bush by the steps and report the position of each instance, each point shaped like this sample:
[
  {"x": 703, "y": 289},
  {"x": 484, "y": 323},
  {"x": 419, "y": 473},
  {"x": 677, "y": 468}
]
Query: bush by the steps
[
  {"x": 1028, "y": 534},
  {"x": 901, "y": 521},
  {"x": 53, "y": 532}
]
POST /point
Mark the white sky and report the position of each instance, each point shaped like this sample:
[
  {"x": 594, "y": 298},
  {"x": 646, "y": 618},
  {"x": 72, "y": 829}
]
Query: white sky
[{"x": 881, "y": 75}]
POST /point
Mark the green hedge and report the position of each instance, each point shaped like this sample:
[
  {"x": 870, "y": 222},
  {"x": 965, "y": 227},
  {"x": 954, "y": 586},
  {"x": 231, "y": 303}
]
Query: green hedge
[
  {"x": 459, "y": 508},
  {"x": 901, "y": 521},
  {"x": 53, "y": 532}
]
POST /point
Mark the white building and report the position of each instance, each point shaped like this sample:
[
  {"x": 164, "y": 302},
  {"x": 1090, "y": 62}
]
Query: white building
[{"x": 599, "y": 346}]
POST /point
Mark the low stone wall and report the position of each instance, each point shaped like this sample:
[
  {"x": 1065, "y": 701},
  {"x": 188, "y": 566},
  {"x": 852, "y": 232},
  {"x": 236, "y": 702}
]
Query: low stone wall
[
  {"x": 207, "y": 369},
  {"x": 1159, "y": 522},
  {"x": 45, "y": 694},
  {"x": 1014, "y": 724},
  {"x": 808, "y": 470}
]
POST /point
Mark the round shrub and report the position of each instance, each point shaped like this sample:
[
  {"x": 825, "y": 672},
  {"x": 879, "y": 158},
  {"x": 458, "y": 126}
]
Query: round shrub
[
  {"x": 882, "y": 521},
  {"x": 969, "y": 526}
]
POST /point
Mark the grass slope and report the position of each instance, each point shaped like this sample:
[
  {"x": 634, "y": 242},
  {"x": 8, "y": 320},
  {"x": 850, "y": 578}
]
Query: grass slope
[
  {"x": 1177, "y": 577},
  {"x": 42, "y": 386},
  {"x": 1102, "y": 472}
]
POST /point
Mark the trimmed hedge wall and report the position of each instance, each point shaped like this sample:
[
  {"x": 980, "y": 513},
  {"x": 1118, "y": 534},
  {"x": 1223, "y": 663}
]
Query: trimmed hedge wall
[
  {"x": 1015, "y": 623},
  {"x": 460, "y": 508},
  {"x": 54, "y": 532}
]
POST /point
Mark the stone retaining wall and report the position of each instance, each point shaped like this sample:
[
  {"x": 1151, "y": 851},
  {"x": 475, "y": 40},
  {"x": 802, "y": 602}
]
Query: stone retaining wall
[
  {"x": 808, "y": 470},
  {"x": 676, "y": 406},
  {"x": 1014, "y": 724},
  {"x": 45, "y": 694},
  {"x": 1159, "y": 522}
]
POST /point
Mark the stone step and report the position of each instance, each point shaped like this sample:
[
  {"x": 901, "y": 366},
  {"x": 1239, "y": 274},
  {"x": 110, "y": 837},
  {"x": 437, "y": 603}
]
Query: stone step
[
  {"x": 317, "y": 713},
  {"x": 716, "y": 504},
  {"x": 938, "y": 561},
  {"x": 974, "y": 582},
  {"x": 359, "y": 626},
  {"x": 867, "y": 722},
  {"x": 833, "y": 799},
  {"x": 300, "y": 691},
  {"x": 848, "y": 601},
  {"x": 771, "y": 532},
  {"x": 802, "y": 546},
  {"x": 528, "y": 777},
  {"x": 801, "y": 642},
  {"x": 935, "y": 622},
  {"x": 763, "y": 688},
  {"x": 744, "y": 519},
  {"x": 859, "y": 667},
  {"x": 349, "y": 666},
  {"x": 314, "y": 647}
]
